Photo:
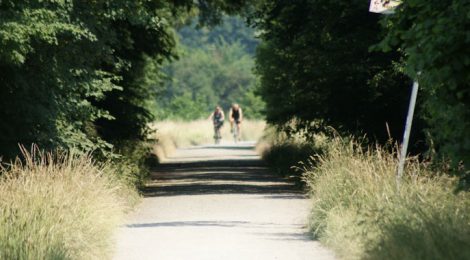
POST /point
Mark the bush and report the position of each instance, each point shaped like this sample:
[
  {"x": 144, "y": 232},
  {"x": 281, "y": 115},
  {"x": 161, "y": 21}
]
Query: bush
[
  {"x": 133, "y": 160},
  {"x": 284, "y": 154},
  {"x": 359, "y": 212},
  {"x": 61, "y": 206}
]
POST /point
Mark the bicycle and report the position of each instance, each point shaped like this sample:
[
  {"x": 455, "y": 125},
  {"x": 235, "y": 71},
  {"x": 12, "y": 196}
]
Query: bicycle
[
  {"x": 235, "y": 132},
  {"x": 217, "y": 134}
]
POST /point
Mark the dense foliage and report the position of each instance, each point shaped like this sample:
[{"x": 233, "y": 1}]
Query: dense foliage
[
  {"x": 214, "y": 68},
  {"x": 73, "y": 74},
  {"x": 67, "y": 64},
  {"x": 436, "y": 38},
  {"x": 316, "y": 67}
]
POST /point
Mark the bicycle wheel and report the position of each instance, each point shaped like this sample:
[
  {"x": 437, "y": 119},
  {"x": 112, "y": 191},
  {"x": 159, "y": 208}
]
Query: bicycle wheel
[
  {"x": 235, "y": 133},
  {"x": 217, "y": 135}
]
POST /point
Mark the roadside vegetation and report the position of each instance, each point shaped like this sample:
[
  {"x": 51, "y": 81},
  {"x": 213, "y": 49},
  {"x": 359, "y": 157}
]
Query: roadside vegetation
[
  {"x": 359, "y": 211},
  {"x": 285, "y": 154},
  {"x": 61, "y": 206}
]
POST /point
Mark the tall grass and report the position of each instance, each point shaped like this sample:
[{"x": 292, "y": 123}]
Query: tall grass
[
  {"x": 61, "y": 206},
  {"x": 174, "y": 134},
  {"x": 360, "y": 213}
]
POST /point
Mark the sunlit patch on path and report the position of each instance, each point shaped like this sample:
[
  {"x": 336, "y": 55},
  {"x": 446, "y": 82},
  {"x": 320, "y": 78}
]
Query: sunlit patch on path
[{"x": 218, "y": 202}]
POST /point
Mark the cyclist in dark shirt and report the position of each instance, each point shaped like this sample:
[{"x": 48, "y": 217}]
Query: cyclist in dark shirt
[{"x": 236, "y": 116}]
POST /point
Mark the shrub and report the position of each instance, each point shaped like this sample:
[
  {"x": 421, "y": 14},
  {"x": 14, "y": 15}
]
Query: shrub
[
  {"x": 284, "y": 154},
  {"x": 60, "y": 206}
]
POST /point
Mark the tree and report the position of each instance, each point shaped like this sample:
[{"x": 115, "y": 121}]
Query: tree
[
  {"x": 48, "y": 77},
  {"x": 316, "y": 67},
  {"x": 71, "y": 70}
]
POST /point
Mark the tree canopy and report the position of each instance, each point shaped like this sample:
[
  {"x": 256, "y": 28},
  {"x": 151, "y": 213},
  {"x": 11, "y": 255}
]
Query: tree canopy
[
  {"x": 71, "y": 71},
  {"x": 316, "y": 68}
]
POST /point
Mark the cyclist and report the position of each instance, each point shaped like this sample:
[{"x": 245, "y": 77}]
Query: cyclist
[
  {"x": 236, "y": 116},
  {"x": 217, "y": 118}
]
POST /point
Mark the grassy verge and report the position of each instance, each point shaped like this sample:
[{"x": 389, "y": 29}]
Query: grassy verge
[
  {"x": 61, "y": 206},
  {"x": 359, "y": 212},
  {"x": 174, "y": 134}
]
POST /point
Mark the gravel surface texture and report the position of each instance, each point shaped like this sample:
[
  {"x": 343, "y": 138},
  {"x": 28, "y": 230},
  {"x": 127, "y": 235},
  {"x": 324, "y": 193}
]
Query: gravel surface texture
[{"x": 218, "y": 202}]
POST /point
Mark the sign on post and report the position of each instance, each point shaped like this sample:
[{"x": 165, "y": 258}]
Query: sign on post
[{"x": 383, "y": 6}]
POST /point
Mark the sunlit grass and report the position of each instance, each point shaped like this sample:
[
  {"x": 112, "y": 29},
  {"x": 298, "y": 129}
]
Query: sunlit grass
[
  {"x": 60, "y": 206},
  {"x": 360, "y": 213},
  {"x": 357, "y": 208},
  {"x": 173, "y": 134}
]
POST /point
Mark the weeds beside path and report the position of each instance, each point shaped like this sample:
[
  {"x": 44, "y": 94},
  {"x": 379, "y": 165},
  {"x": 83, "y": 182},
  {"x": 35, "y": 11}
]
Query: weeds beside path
[
  {"x": 60, "y": 206},
  {"x": 219, "y": 202}
]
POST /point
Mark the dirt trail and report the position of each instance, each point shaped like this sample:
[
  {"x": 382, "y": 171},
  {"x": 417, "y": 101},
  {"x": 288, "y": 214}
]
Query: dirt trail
[{"x": 218, "y": 202}]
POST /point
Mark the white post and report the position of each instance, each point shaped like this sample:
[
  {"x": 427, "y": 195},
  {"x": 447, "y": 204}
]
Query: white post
[
  {"x": 406, "y": 135},
  {"x": 388, "y": 7}
]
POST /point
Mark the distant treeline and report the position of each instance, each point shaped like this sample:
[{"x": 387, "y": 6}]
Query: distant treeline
[{"x": 215, "y": 67}]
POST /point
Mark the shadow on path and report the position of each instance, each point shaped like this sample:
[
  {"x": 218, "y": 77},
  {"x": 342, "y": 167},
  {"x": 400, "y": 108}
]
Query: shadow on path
[
  {"x": 189, "y": 223},
  {"x": 224, "y": 147},
  {"x": 276, "y": 230},
  {"x": 243, "y": 174}
]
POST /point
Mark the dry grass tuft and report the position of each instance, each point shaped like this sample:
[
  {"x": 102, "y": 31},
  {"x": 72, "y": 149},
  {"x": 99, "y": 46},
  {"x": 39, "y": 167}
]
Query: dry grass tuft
[{"x": 60, "y": 206}]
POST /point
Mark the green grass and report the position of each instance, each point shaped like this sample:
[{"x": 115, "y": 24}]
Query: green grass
[
  {"x": 61, "y": 206},
  {"x": 359, "y": 212}
]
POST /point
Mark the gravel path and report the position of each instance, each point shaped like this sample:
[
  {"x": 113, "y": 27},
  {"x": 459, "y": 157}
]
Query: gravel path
[{"x": 218, "y": 202}]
